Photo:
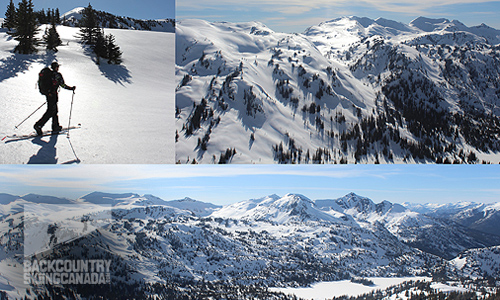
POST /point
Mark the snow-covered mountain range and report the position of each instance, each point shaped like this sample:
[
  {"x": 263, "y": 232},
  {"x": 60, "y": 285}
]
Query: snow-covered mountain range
[
  {"x": 272, "y": 241},
  {"x": 347, "y": 90},
  {"x": 125, "y": 111},
  {"x": 483, "y": 217},
  {"x": 108, "y": 20}
]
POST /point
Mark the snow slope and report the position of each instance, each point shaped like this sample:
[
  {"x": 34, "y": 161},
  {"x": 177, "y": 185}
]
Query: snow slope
[
  {"x": 125, "y": 110},
  {"x": 268, "y": 117},
  {"x": 480, "y": 262},
  {"x": 347, "y": 90}
]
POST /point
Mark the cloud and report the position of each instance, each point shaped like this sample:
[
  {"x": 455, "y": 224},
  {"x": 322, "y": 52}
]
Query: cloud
[
  {"x": 297, "y": 7},
  {"x": 300, "y": 23},
  {"x": 92, "y": 177},
  {"x": 422, "y": 6},
  {"x": 290, "y": 7}
]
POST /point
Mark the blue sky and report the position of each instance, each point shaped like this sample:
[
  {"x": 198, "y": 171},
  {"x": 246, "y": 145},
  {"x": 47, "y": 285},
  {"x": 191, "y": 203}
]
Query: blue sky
[
  {"x": 233, "y": 183},
  {"x": 144, "y": 9},
  {"x": 297, "y": 15}
]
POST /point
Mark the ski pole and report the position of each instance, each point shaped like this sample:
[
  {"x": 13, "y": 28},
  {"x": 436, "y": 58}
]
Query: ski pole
[
  {"x": 76, "y": 160},
  {"x": 70, "y": 111},
  {"x": 30, "y": 115}
]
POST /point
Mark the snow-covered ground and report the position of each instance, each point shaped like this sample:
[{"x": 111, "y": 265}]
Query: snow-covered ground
[
  {"x": 126, "y": 111},
  {"x": 328, "y": 290}
]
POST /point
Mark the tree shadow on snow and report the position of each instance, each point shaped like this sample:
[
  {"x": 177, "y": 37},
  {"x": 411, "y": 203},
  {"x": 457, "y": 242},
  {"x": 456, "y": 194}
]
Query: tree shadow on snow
[
  {"x": 15, "y": 64},
  {"x": 250, "y": 143},
  {"x": 48, "y": 58},
  {"x": 20, "y": 63},
  {"x": 46, "y": 154},
  {"x": 116, "y": 73}
]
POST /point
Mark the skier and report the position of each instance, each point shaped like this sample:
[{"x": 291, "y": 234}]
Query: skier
[{"x": 52, "y": 98}]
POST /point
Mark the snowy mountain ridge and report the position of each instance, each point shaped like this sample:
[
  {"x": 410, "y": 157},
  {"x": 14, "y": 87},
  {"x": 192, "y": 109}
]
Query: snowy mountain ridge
[
  {"x": 286, "y": 240},
  {"x": 347, "y": 90},
  {"x": 350, "y": 204},
  {"x": 291, "y": 208},
  {"x": 107, "y": 20},
  {"x": 483, "y": 217},
  {"x": 410, "y": 226}
]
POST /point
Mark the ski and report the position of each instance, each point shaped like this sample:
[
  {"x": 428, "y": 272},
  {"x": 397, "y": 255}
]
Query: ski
[{"x": 16, "y": 137}]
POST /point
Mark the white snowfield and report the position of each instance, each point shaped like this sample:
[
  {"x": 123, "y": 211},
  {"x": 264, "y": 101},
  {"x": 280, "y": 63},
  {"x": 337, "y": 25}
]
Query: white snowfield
[
  {"x": 125, "y": 111},
  {"x": 328, "y": 290}
]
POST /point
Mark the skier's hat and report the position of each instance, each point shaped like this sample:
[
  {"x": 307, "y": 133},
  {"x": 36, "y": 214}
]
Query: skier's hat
[{"x": 54, "y": 65}]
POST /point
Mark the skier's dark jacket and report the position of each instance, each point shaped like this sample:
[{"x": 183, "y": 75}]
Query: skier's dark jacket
[{"x": 57, "y": 82}]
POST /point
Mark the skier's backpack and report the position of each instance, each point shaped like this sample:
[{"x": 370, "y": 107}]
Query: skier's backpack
[{"x": 45, "y": 81}]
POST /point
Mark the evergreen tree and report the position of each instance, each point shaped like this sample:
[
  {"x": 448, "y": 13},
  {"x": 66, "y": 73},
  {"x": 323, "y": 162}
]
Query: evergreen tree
[
  {"x": 10, "y": 16},
  {"x": 57, "y": 17},
  {"x": 89, "y": 26},
  {"x": 51, "y": 38},
  {"x": 112, "y": 23},
  {"x": 113, "y": 53},
  {"x": 42, "y": 17},
  {"x": 99, "y": 46},
  {"x": 50, "y": 16},
  {"x": 26, "y": 28},
  {"x": 104, "y": 46}
]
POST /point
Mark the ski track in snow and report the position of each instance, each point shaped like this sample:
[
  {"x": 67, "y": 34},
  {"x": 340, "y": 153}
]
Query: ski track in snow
[{"x": 125, "y": 110}]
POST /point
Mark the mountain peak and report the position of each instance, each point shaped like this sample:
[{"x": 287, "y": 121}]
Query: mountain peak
[
  {"x": 73, "y": 16},
  {"x": 428, "y": 24},
  {"x": 76, "y": 10},
  {"x": 273, "y": 196},
  {"x": 363, "y": 21},
  {"x": 34, "y": 198},
  {"x": 289, "y": 208},
  {"x": 295, "y": 204},
  {"x": 150, "y": 196},
  {"x": 352, "y": 194},
  {"x": 109, "y": 198},
  {"x": 353, "y": 197},
  {"x": 196, "y": 207},
  {"x": 483, "y": 26},
  {"x": 187, "y": 199},
  {"x": 297, "y": 197},
  {"x": 354, "y": 201},
  {"x": 109, "y": 195},
  {"x": 148, "y": 200},
  {"x": 6, "y": 198}
]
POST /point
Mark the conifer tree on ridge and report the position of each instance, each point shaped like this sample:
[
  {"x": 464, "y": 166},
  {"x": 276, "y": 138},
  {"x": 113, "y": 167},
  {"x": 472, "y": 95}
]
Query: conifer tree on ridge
[
  {"x": 25, "y": 28},
  {"x": 10, "y": 16},
  {"x": 51, "y": 37}
]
